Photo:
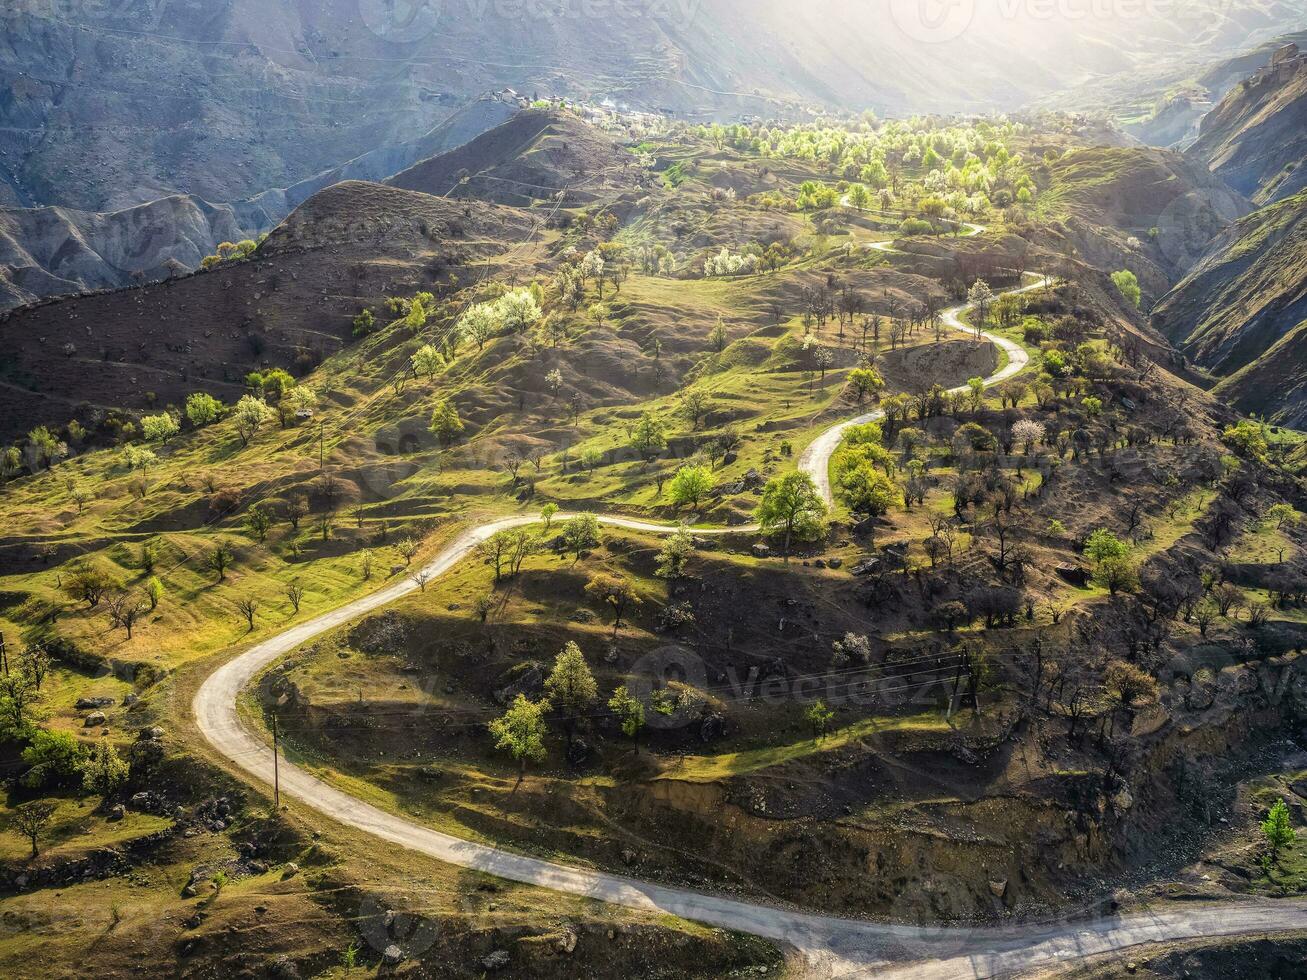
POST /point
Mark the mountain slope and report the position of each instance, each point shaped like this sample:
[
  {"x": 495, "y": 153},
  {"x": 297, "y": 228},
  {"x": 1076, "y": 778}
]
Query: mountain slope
[
  {"x": 530, "y": 157},
  {"x": 1242, "y": 311},
  {"x": 47, "y": 252},
  {"x": 291, "y": 305},
  {"x": 1256, "y": 139}
]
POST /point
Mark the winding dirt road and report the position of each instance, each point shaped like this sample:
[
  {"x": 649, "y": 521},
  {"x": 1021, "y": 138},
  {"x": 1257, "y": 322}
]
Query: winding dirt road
[{"x": 832, "y": 946}]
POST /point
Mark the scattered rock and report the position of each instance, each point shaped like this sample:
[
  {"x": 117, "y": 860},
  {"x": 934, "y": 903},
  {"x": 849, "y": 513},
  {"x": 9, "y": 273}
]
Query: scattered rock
[
  {"x": 90, "y": 704},
  {"x": 865, "y": 567},
  {"x": 431, "y": 773},
  {"x": 496, "y": 960},
  {"x": 189, "y": 891},
  {"x": 94, "y": 719},
  {"x": 392, "y": 955}
]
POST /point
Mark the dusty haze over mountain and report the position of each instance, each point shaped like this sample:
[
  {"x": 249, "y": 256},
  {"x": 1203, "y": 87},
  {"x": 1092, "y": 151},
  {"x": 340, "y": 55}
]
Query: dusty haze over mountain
[{"x": 108, "y": 105}]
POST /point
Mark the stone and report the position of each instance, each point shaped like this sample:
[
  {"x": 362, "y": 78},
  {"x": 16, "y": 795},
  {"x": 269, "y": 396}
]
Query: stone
[
  {"x": 189, "y": 891},
  {"x": 396, "y": 570},
  {"x": 998, "y": 888},
  {"x": 431, "y": 773},
  {"x": 90, "y": 704},
  {"x": 1073, "y": 575},
  {"x": 566, "y": 941},
  {"x": 94, "y": 719},
  {"x": 130, "y": 700},
  {"x": 392, "y": 955},
  {"x": 761, "y": 550},
  {"x": 836, "y": 563},
  {"x": 153, "y": 734},
  {"x": 117, "y": 813},
  {"x": 628, "y": 856},
  {"x": 290, "y": 870},
  {"x": 865, "y": 567},
  {"x": 819, "y": 563},
  {"x": 578, "y": 752},
  {"x": 495, "y": 960}
]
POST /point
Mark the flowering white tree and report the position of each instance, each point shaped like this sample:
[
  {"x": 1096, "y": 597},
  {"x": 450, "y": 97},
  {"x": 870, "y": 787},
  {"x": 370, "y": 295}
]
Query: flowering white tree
[{"x": 1027, "y": 433}]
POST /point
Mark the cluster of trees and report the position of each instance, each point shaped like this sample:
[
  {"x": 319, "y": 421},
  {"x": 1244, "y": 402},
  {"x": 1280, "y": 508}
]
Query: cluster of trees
[
  {"x": 232, "y": 252},
  {"x": 50, "y": 759},
  {"x": 571, "y": 699}
]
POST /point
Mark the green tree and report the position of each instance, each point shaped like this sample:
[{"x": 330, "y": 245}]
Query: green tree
[
  {"x": 427, "y": 360},
  {"x": 547, "y": 513},
  {"x": 31, "y": 819},
  {"x": 445, "y": 423},
  {"x": 159, "y": 428},
  {"x": 675, "y": 553},
  {"x": 202, "y": 409},
  {"x": 581, "y": 533},
  {"x": 54, "y": 758},
  {"x": 1102, "y": 545},
  {"x": 364, "y": 323},
  {"x": 251, "y": 414},
  {"x": 690, "y": 485},
  {"x": 571, "y": 687},
  {"x": 649, "y": 438},
  {"x": 521, "y": 733},
  {"x": 1278, "y": 830},
  {"x": 103, "y": 772},
  {"x": 615, "y": 591},
  {"x": 864, "y": 489},
  {"x": 819, "y": 717},
  {"x": 629, "y": 712},
  {"x": 258, "y": 521},
  {"x": 153, "y": 591},
  {"x": 864, "y": 382},
  {"x": 792, "y": 508},
  {"x": 1127, "y": 284}
]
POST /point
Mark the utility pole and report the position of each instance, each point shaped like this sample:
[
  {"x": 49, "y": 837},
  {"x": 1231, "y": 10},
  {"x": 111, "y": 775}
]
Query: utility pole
[
  {"x": 4, "y": 655},
  {"x": 276, "y": 773},
  {"x": 322, "y": 435}
]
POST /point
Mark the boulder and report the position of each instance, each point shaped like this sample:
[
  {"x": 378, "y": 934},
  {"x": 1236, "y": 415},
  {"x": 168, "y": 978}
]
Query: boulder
[
  {"x": 530, "y": 680},
  {"x": 116, "y": 813},
  {"x": 90, "y": 704},
  {"x": 578, "y": 753},
  {"x": 998, "y": 888},
  {"x": 1073, "y": 575},
  {"x": 289, "y": 870},
  {"x": 495, "y": 960},
  {"x": 761, "y": 550},
  {"x": 94, "y": 719},
  {"x": 392, "y": 955}
]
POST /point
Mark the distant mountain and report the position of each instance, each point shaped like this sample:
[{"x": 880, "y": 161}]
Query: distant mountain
[
  {"x": 1256, "y": 139},
  {"x": 1242, "y": 312},
  {"x": 55, "y": 251},
  {"x": 1178, "y": 101},
  {"x": 107, "y": 106}
]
